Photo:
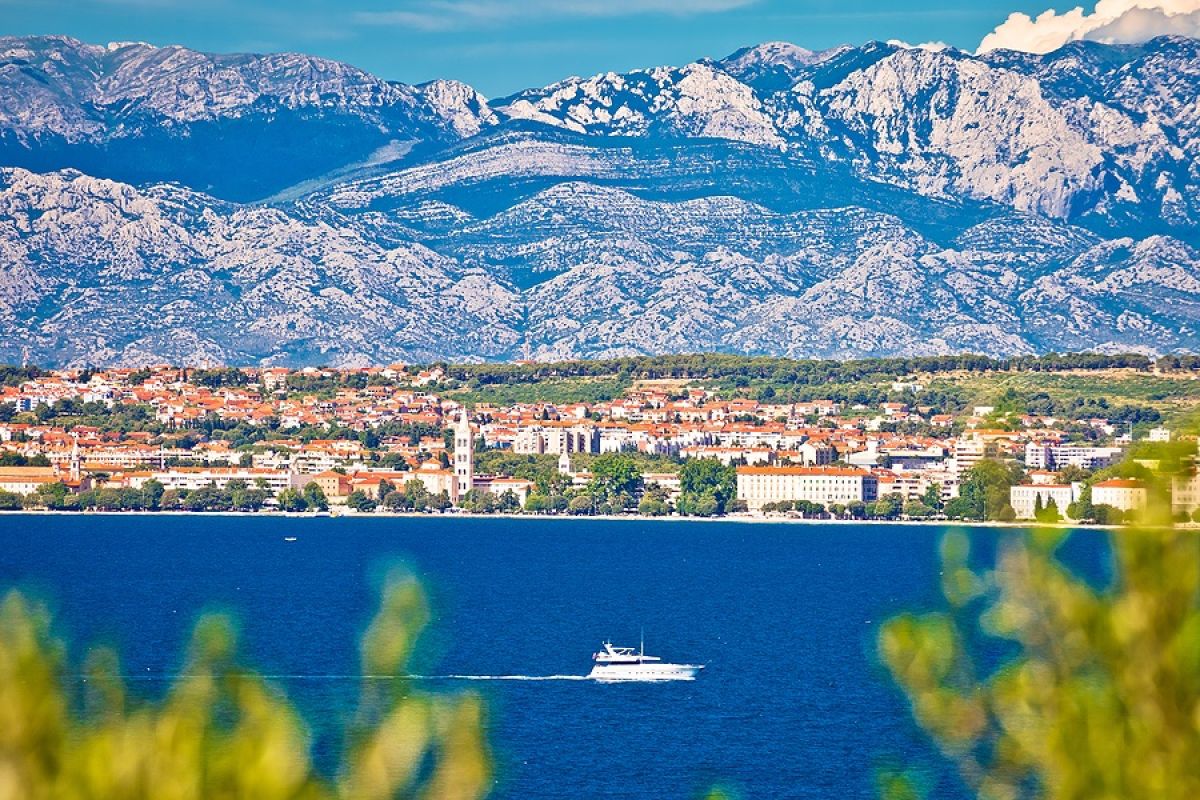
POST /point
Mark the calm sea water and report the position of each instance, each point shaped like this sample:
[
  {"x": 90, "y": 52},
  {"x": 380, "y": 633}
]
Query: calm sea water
[{"x": 792, "y": 703}]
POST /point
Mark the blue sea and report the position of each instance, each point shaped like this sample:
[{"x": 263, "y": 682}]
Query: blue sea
[{"x": 792, "y": 702}]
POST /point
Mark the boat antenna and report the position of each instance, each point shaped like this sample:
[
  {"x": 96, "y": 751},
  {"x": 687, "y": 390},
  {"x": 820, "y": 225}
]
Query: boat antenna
[{"x": 643, "y": 640}]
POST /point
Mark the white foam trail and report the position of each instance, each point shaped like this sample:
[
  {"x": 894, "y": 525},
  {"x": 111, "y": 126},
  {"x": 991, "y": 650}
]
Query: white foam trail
[
  {"x": 156, "y": 677},
  {"x": 497, "y": 677},
  {"x": 348, "y": 677}
]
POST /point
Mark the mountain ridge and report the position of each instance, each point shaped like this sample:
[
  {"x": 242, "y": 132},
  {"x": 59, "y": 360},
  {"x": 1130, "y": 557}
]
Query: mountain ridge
[{"x": 878, "y": 200}]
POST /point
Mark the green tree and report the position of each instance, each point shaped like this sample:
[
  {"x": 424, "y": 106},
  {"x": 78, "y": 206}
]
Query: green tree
[
  {"x": 51, "y": 495},
  {"x": 416, "y": 494},
  {"x": 396, "y": 501},
  {"x": 702, "y": 478},
  {"x": 1048, "y": 514},
  {"x": 291, "y": 500},
  {"x": 361, "y": 501},
  {"x": 580, "y": 504},
  {"x": 479, "y": 501},
  {"x": 508, "y": 501},
  {"x": 1072, "y": 474},
  {"x": 440, "y": 501},
  {"x": 314, "y": 497},
  {"x": 887, "y": 507},
  {"x": 653, "y": 505},
  {"x": 699, "y": 505},
  {"x": 933, "y": 496},
  {"x": 615, "y": 474},
  {"x": 1081, "y": 508},
  {"x": 916, "y": 509},
  {"x": 985, "y": 491},
  {"x": 152, "y": 492}
]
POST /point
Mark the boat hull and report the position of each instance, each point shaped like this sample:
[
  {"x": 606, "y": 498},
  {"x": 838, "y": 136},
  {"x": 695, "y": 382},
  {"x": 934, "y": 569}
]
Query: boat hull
[{"x": 614, "y": 673}]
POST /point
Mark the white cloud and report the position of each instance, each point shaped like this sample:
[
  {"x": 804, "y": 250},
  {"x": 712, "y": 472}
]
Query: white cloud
[
  {"x": 1112, "y": 21},
  {"x": 933, "y": 47},
  {"x": 446, "y": 15}
]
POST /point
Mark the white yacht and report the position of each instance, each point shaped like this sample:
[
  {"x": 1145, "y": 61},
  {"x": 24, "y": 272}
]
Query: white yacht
[{"x": 624, "y": 664}]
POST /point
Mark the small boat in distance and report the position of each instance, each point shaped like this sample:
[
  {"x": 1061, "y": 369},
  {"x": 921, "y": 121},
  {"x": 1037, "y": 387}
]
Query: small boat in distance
[
  {"x": 289, "y": 538},
  {"x": 623, "y": 664}
]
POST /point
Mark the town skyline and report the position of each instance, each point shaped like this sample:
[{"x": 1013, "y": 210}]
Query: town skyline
[{"x": 911, "y": 445}]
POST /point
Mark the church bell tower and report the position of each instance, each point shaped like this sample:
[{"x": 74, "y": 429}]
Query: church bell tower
[{"x": 464, "y": 455}]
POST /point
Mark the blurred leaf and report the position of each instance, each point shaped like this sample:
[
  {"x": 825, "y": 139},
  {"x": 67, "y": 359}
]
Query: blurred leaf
[
  {"x": 1102, "y": 699},
  {"x": 222, "y": 732}
]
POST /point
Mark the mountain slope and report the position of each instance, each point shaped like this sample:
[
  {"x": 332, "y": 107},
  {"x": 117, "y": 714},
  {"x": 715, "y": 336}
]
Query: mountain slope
[
  {"x": 99, "y": 272},
  {"x": 859, "y": 201},
  {"x": 142, "y": 113}
]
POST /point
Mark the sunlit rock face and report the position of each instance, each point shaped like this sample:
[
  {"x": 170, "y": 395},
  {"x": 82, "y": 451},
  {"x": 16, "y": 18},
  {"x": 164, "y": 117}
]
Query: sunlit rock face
[{"x": 161, "y": 204}]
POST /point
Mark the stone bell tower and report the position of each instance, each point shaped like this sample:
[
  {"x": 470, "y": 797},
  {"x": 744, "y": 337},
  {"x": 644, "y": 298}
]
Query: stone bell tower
[{"x": 464, "y": 455}]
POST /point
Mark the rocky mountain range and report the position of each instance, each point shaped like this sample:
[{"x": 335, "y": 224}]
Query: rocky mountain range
[{"x": 159, "y": 204}]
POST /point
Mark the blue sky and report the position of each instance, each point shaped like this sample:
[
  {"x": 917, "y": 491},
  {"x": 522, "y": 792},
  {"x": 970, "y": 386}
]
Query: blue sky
[{"x": 501, "y": 46}]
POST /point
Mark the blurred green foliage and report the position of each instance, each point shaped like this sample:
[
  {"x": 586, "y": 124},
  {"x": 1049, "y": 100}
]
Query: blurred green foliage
[
  {"x": 1102, "y": 699},
  {"x": 222, "y": 731}
]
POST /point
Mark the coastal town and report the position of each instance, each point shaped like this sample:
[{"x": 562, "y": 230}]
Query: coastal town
[{"x": 394, "y": 439}]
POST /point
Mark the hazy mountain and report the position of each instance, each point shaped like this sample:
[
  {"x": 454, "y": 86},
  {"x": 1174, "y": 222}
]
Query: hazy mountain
[
  {"x": 871, "y": 200},
  {"x": 241, "y": 126}
]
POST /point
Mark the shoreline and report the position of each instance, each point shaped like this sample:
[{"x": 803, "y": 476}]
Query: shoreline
[{"x": 736, "y": 518}]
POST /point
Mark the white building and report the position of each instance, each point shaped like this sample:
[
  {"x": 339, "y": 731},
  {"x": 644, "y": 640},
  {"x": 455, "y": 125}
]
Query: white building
[
  {"x": 1042, "y": 455},
  {"x": 968, "y": 451},
  {"x": 556, "y": 439},
  {"x": 192, "y": 478},
  {"x": 1159, "y": 435},
  {"x": 529, "y": 441},
  {"x": 817, "y": 454},
  {"x": 758, "y": 486},
  {"x": 1024, "y": 497}
]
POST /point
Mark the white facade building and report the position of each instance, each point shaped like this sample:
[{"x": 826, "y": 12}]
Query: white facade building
[
  {"x": 192, "y": 478},
  {"x": 1042, "y": 455},
  {"x": 1024, "y": 497},
  {"x": 758, "y": 486},
  {"x": 967, "y": 453}
]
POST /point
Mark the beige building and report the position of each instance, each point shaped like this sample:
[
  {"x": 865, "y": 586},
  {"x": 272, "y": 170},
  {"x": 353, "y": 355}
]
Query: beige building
[
  {"x": 436, "y": 480},
  {"x": 968, "y": 451},
  {"x": 369, "y": 482},
  {"x": 758, "y": 486},
  {"x": 1185, "y": 493},
  {"x": 1120, "y": 493},
  {"x": 335, "y": 485},
  {"x": 26, "y": 480}
]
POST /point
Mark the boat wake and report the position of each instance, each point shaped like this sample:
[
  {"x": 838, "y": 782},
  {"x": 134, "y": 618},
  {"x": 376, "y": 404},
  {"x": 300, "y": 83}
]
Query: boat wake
[
  {"x": 351, "y": 677},
  {"x": 497, "y": 677}
]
